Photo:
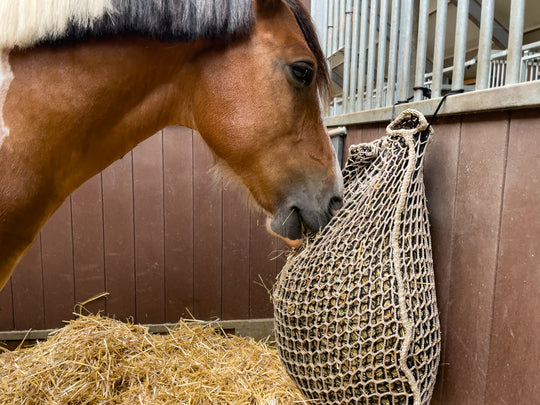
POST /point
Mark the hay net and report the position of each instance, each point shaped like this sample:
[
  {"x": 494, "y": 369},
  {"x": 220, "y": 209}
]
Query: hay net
[{"x": 355, "y": 311}]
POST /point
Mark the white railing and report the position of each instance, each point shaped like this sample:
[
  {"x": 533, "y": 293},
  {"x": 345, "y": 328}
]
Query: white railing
[{"x": 377, "y": 50}]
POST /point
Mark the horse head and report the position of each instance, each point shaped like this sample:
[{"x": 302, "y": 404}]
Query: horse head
[{"x": 258, "y": 107}]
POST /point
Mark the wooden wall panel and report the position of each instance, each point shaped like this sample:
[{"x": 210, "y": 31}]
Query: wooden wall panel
[
  {"x": 118, "y": 239},
  {"x": 264, "y": 250},
  {"x": 514, "y": 366},
  {"x": 207, "y": 233},
  {"x": 476, "y": 230},
  {"x": 88, "y": 255},
  {"x": 485, "y": 253},
  {"x": 149, "y": 236},
  {"x": 372, "y": 132},
  {"x": 236, "y": 236},
  {"x": 440, "y": 178},
  {"x": 6, "y": 307},
  {"x": 28, "y": 282},
  {"x": 354, "y": 136},
  {"x": 57, "y": 261},
  {"x": 178, "y": 206}
]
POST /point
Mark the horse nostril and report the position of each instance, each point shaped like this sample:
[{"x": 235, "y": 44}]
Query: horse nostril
[{"x": 335, "y": 204}]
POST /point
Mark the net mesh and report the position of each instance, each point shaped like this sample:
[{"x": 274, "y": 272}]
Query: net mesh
[{"x": 355, "y": 310}]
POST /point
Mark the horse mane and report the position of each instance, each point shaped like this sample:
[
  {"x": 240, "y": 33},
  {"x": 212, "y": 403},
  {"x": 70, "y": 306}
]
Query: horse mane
[{"x": 26, "y": 23}]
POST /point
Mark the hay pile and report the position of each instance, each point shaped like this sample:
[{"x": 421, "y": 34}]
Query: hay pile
[{"x": 98, "y": 360}]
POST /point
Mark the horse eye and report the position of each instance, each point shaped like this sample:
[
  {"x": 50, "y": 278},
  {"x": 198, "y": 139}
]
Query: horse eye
[{"x": 302, "y": 72}]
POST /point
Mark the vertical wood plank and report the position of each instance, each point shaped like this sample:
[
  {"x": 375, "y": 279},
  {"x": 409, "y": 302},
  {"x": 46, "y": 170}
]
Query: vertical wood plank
[
  {"x": 89, "y": 267},
  {"x": 149, "y": 241},
  {"x": 440, "y": 177},
  {"x": 6, "y": 308},
  {"x": 118, "y": 235},
  {"x": 354, "y": 137},
  {"x": 372, "y": 132},
  {"x": 263, "y": 251},
  {"x": 28, "y": 282},
  {"x": 514, "y": 367},
  {"x": 476, "y": 230},
  {"x": 57, "y": 259},
  {"x": 207, "y": 233},
  {"x": 178, "y": 200},
  {"x": 236, "y": 234}
]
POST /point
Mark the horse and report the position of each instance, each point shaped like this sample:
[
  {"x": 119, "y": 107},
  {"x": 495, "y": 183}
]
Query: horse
[{"x": 83, "y": 82}]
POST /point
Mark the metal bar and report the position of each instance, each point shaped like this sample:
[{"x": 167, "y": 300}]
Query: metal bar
[
  {"x": 329, "y": 16},
  {"x": 405, "y": 51},
  {"x": 347, "y": 57},
  {"x": 521, "y": 95},
  {"x": 335, "y": 39},
  {"x": 319, "y": 6},
  {"x": 438, "y": 52},
  {"x": 497, "y": 55},
  {"x": 354, "y": 55},
  {"x": 484, "y": 44},
  {"x": 515, "y": 40},
  {"x": 421, "y": 50},
  {"x": 499, "y": 32},
  {"x": 460, "y": 44},
  {"x": 381, "y": 52},
  {"x": 362, "y": 56},
  {"x": 341, "y": 42},
  {"x": 370, "y": 79},
  {"x": 392, "y": 53}
]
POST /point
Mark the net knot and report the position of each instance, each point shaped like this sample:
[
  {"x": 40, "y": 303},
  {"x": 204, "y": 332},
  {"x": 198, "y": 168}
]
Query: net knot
[{"x": 365, "y": 152}]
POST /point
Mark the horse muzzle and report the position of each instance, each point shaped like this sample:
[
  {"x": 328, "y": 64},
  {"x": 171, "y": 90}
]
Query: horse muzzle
[{"x": 293, "y": 220}]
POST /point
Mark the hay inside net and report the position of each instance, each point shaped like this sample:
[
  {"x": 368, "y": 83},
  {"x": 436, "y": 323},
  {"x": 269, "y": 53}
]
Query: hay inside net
[
  {"x": 355, "y": 310},
  {"x": 98, "y": 360}
]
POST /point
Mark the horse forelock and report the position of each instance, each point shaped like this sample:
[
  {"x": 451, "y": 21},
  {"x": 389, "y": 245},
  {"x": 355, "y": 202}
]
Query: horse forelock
[
  {"x": 310, "y": 34},
  {"x": 29, "y": 22}
]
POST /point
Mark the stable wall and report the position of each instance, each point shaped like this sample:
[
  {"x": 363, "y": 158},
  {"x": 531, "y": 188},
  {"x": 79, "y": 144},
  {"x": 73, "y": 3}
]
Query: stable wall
[{"x": 482, "y": 177}]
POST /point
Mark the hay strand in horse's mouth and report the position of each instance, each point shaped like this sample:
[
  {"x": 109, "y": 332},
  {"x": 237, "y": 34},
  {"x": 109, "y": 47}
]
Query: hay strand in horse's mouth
[
  {"x": 96, "y": 359},
  {"x": 288, "y": 216}
]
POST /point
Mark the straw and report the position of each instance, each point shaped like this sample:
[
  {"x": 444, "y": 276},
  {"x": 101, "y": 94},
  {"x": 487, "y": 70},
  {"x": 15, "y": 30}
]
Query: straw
[{"x": 98, "y": 360}]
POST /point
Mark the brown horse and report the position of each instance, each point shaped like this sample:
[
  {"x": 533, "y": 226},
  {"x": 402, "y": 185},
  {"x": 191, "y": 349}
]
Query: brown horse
[{"x": 82, "y": 84}]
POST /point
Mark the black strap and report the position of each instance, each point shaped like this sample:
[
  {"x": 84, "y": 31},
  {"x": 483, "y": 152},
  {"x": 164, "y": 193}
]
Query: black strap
[
  {"x": 427, "y": 93},
  {"x": 449, "y": 93}
]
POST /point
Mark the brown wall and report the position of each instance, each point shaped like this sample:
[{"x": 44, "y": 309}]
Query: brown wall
[
  {"x": 482, "y": 177},
  {"x": 160, "y": 233}
]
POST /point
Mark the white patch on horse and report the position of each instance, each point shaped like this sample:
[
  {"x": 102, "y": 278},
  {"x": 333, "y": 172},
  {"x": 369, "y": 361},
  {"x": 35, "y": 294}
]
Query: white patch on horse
[{"x": 6, "y": 76}]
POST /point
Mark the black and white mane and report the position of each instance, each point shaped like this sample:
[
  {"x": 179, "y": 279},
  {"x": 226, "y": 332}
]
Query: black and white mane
[{"x": 27, "y": 23}]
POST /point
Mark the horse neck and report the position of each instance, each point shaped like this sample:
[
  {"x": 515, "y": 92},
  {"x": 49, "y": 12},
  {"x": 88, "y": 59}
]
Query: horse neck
[
  {"x": 96, "y": 101},
  {"x": 72, "y": 110}
]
